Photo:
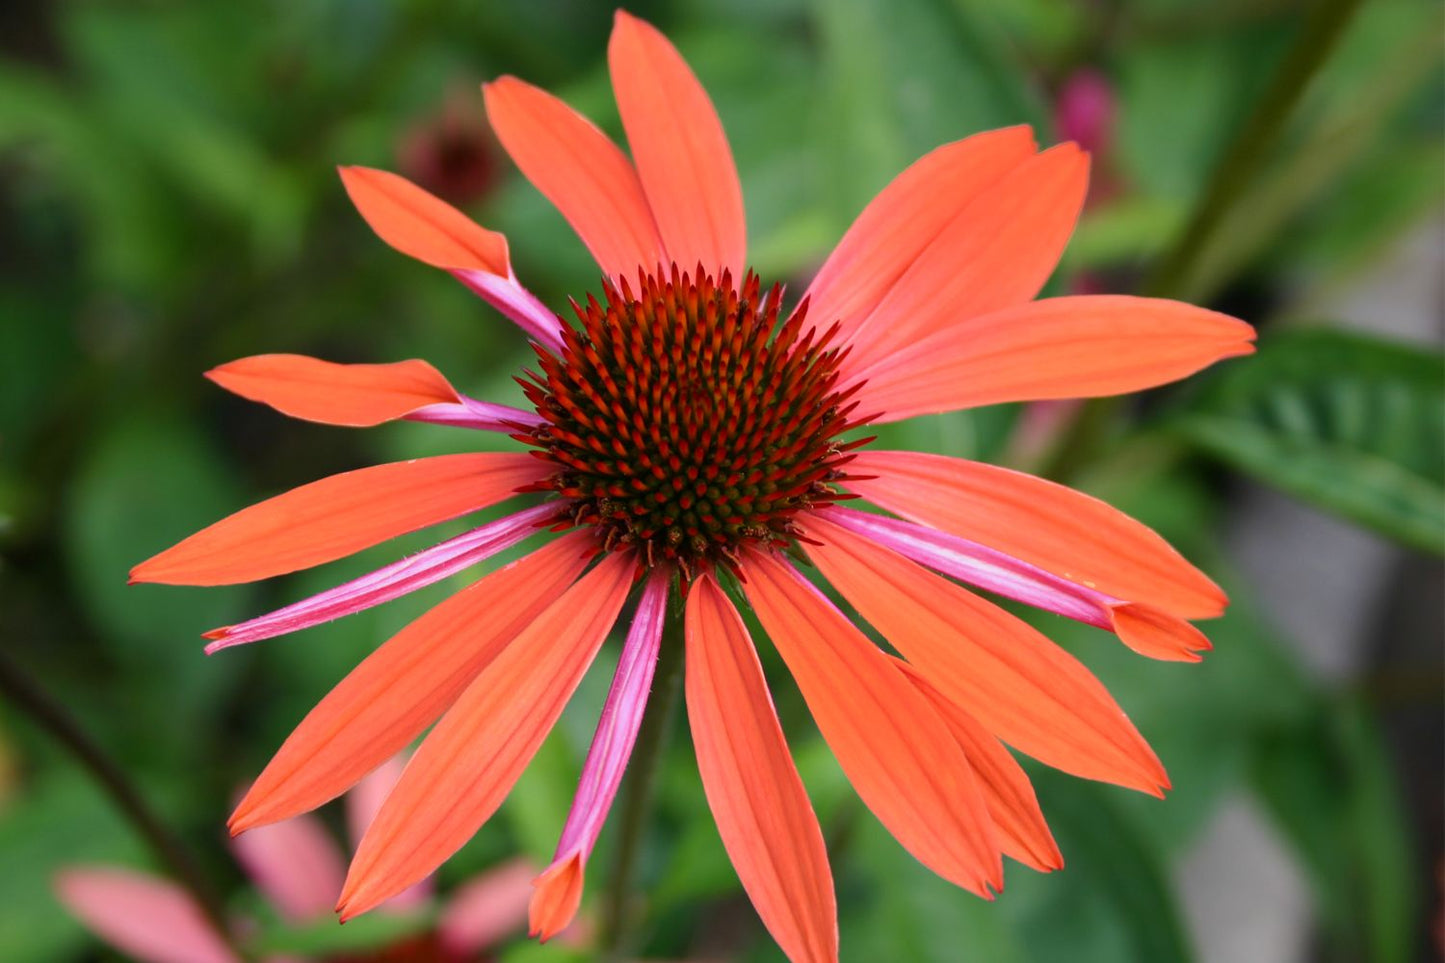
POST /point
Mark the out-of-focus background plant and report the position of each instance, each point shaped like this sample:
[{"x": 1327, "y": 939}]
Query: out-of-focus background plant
[{"x": 168, "y": 202}]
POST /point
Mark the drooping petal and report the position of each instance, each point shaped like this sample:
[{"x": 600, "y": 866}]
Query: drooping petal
[
  {"x": 895, "y": 750},
  {"x": 1146, "y": 630},
  {"x": 407, "y": 683},
  {"x": 1023, "y": 688},
  {"x": 429, "y": 229},
  {"x": 1020, "y": 824},
  {"x": 471, "y": 759},
  {"x": 144, "y": 917},
  {"x": 578, "y": 168},
  {"x": 1054, "y": 527},
  {"x": 997, "y": 252},
  {"x": 762, "y": 811},
  {"x": 295, "y": 864},
  {"x": 558, "y": 891},
  {"x": 393, "y": 581},
  {"x": 339, "y": 515},
  {"x": 900, "y": 223},
  {"x": 363, "y": 802},
  {"x": 1070, "y": 347},
  {"x": 681, "y": 150},
  {"x": 487, "y": 908},
  {"x": 359, "y": 395}
]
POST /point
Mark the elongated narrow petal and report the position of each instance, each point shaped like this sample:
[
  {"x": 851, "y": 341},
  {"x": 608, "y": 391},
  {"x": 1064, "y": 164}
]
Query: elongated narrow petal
[
  {"x": 1056, "y": 528},
  {"x": 469, "y": 762},
  {"x": 1070, "y": 347},
  {"x": 359, "y": 395},
  {"x": 900, "y": 223},
  {"x": 998, "y": 252},
  {"x": 578, "y": 168},
  {"x": 487, "y": 908},
  {"x": 762, "y": 811},
  {"x": 1022, "y": 831},
  {"x": 147, "y": 918},
  {"x": 393, "y": 581},
  {"x": 339, "y": 515},
  {"x": 895, "y": 750},
  {"x": 429, "y": 229},
  {"x": 558, "y": 891},
  {"x": 1145, "y": 629},
  {"x": 407, "y": 683},
  {"x": 681, "y": 150},
  {"x": 478, "y": 415},
  {"x": 296, "y": 864},
  {"x": 1023, "y": 688},
  {"x": 363, "y": 802}
]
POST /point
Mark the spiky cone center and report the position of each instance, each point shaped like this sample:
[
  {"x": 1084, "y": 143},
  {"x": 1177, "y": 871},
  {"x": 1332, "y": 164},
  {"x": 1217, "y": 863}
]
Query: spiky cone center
[{"x": 686, "y": 421}]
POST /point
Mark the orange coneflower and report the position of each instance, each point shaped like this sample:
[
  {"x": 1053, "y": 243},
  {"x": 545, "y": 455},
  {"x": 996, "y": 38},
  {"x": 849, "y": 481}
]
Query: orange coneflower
[{"x": 686, "y": 433}]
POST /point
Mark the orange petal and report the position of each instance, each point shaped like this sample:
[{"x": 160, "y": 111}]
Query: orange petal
[
  {"x": 359, "y": 395},
  {"x": 406, "y": 684},
  {"x": 1023, "y": 688},
  {"x": 1023, "y": 833},
  {"x": 1157, "y": 634},
  {"x": 895, "y": 750},
  {"x": 557, "y": 895},
  {"x": 901, "y": 222},
  {"x": 1071, "y": 347},
  {"x": 1046, "y": 524},
  {"x": 762, "y": 811},
  {"x": 580, "y": 170},
  {"x": 998, "y": 252},
  {"x": 469, "y": 762},
  {"x": 681, "y": 151},
  {"x": 422, "y": 226},
  {"x": 339, "y": 515}
]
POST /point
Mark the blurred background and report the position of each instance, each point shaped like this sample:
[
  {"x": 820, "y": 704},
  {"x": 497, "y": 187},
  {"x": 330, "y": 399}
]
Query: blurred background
[{"x": 168, "y": 202}]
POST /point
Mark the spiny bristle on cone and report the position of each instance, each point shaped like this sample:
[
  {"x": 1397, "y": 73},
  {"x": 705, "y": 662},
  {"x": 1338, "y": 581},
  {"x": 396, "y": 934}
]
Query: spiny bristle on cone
[{"x": 685, "y": 420}]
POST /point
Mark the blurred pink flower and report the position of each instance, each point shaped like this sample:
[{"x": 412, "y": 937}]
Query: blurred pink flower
[
  {"x": 1084, "y": 111},
  {"x": 452, "y": 153},
  {"x": 299, "y": 869}
]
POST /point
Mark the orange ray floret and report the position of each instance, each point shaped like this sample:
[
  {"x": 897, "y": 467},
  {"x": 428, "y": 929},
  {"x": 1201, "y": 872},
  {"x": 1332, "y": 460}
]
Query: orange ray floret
[
  {"x": 762, "y": 811},
  {"x": 359, "y": 395},
  {"x": 422, "y": 226}
]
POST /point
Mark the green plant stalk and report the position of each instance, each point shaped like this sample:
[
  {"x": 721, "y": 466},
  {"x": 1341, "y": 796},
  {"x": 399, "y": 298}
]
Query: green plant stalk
[
  {"x": 637, "y": 791},
  {"x": 27, "y": 695}
]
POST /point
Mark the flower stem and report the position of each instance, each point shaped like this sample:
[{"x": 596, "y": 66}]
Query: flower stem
[
  {"x": 27, "y": 695},
  {"x": 637, "y": 791}
]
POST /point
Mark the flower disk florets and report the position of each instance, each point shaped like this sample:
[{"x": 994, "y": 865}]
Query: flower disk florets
[{"x": 685, "y": 421}]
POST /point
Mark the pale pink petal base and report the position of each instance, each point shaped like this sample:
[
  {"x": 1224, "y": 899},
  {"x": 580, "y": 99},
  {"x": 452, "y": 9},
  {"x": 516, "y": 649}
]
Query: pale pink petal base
[
  {"x": 517, "y": 303},
  {"x": 147, "y": 918},
  {"x": 478, "y": 415},
  {"x": 561, "y": 883}
]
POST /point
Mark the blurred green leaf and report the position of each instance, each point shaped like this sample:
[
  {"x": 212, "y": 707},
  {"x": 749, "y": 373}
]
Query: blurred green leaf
[{"x": 1348, "y": 422}]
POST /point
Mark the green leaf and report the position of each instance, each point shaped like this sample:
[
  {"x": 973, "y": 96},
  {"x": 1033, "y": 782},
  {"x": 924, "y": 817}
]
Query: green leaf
[{"x": 1351, "y": 423}]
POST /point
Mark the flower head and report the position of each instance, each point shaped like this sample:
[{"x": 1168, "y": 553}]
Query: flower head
[{"x": 688, "y": 433}]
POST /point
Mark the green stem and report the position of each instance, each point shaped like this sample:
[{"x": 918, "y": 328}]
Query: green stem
[
  {"x": 27, "y": 695},
  {"x": 637, "y": 791}
]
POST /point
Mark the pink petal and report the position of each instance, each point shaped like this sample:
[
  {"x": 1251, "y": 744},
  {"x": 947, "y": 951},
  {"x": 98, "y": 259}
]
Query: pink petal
[
  {"x": 147, "y": 918},
  {"x": 517, "y": 303},
  {"x": 553, "y": 905},
  {"x": 488, "y": 908},
  {"x": 385, "y": 584},
  {"x": 295, "y": 864},
  {"x": 480, "y": 415}
]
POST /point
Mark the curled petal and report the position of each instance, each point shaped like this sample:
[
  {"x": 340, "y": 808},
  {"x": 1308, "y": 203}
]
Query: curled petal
[
  {"x": 147, "y": 918},
  {"x": 1023, "y": 688},
  {"x": 393, "y": 581},
  {"x": 578, "y": 168},
  {"x": 762, "y": 811},
  {"x": 1022, "y": 831},
  {"x": 471, "y": 759},
  {"x": 296, "y": 864},
  {"x": 402, "y": 687},
  {"x": 339, "y": 515},
  {"x": 1071, "y": 347},
  {"x": 1061, "y": 530},
  {"x": 895, "y": 750},
  {"x": 900, "y": 223},
  {"x": 681, "y": 150},
  {"x": 559, "y": 888}
]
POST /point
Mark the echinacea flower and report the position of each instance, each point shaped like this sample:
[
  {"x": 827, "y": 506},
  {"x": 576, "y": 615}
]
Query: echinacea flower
[
  {"x": 687, "y": 434},
  {"x": 299, "y": 869}
]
